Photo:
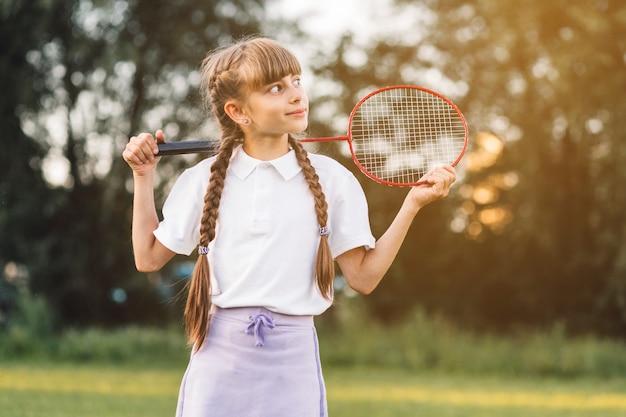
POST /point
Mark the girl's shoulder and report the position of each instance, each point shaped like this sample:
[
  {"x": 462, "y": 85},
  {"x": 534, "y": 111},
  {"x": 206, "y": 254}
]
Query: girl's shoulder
[
  {"x": 334, "y": 176},
  {"x": 197, "y": 175},
  {"x": 202, "y": 167},
  {"x": 328, "y": 165}
]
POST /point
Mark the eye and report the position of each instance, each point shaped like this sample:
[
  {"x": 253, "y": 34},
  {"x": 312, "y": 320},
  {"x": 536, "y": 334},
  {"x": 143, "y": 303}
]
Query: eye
[
  {"x": 297, "y": 82},
  {"x": 276, "y": 88}
]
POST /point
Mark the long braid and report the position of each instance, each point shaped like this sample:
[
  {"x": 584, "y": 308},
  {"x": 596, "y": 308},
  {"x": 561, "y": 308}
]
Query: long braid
[
  {"x": 324, "y": 264},
  {"x": 198, "y": 304},
  {"x": 216, "y": 88}
]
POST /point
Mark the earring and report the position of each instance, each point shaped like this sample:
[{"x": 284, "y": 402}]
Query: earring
[{"x": 246, "y": 122}]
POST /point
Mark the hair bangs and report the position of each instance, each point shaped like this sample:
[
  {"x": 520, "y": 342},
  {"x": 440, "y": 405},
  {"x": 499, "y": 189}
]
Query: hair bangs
[{"x": 268, "y": 62}]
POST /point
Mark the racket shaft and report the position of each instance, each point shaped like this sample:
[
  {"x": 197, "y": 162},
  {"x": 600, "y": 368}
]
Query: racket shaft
[{"x": 330, "y": 139}]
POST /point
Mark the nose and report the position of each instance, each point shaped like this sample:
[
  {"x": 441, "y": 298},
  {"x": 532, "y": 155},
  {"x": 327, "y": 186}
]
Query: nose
[{"x": 296, "y": 94}]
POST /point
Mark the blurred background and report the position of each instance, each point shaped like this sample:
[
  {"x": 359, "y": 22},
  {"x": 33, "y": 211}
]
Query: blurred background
[{"x": 532, "y": 238}]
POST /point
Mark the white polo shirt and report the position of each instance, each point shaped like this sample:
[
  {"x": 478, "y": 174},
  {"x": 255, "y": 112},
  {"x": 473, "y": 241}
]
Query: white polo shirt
[{"x": 267, "y": 232}]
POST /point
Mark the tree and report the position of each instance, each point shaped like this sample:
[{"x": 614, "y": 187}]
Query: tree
[
  {"x": 26, "y": 203},
  {"x": 107, "y": 69},
  {"x": 535, "y": 232}
]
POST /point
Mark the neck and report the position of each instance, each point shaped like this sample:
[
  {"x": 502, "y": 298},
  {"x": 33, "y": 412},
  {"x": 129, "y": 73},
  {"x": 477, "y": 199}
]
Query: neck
[{"x": 266, "y": 148}]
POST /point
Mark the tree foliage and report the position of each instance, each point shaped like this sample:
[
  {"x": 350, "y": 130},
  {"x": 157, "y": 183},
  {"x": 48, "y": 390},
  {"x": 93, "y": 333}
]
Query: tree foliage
[
  {"x": 535, "y": 230},
  {"x": 83, "y": 76}
]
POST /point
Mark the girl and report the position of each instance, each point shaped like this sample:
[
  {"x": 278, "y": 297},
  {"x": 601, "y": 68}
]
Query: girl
[{"x": 269, "y": 219}]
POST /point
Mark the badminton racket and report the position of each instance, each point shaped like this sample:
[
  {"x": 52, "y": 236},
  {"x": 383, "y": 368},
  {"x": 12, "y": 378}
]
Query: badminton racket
[{"x": 396, "y": 135}]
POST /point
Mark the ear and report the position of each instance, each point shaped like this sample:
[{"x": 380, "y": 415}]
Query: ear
[{"x": 236, "y": 114}]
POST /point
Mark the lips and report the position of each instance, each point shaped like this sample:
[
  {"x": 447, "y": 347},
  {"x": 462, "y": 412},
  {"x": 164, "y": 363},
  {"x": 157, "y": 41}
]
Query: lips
[{"x": 298, "y": 112}]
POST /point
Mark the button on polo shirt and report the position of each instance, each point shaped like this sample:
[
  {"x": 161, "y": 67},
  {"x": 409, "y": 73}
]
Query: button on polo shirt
[{"x": 267, "y": 231}]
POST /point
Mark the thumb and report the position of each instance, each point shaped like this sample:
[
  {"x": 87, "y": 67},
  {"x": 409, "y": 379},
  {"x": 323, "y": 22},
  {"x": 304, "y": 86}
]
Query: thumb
[{"x": 160, "y": 136}]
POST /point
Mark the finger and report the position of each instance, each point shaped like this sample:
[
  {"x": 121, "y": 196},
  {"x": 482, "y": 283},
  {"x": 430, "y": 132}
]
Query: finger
[
  {"x": 450, "y": 175},
  {"x": 141, "y": 147},
  {"x": 160, "y": 136},
  {"x": 446, "y": 174},
  {"x": 132, "y": 150},
  {"x": 445, "y": 170},
  {"x": 132, "y": 157},
  {"x": 133, "y": 154},
  {"x": 148, "y": 144},
  {"x": 434, "y": 176}
]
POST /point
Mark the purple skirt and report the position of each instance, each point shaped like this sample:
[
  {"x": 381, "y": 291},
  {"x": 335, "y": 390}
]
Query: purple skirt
[{"x": 255, "y": 363}]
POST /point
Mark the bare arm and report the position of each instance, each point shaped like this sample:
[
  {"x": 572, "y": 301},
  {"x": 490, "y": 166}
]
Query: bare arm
[
  {"x": 364, "y": 269},
  {"x": 150, "y": 254}
]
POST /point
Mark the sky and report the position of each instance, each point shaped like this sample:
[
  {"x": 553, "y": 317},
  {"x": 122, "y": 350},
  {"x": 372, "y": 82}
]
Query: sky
[{"x": 324, "y": 20}]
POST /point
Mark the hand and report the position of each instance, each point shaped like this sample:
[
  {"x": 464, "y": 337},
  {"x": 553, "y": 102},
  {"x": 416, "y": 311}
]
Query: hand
[
  {"x": 140, "y": 152},
  {"x": 437, "y": 186}
]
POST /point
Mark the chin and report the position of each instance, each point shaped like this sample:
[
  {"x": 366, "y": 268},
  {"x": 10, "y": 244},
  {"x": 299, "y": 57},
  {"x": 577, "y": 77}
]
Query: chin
[{"x": 302, "y": 127}]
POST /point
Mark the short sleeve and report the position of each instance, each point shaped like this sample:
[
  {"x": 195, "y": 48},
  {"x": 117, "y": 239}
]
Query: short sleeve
[
  {"x": 179, "y": 230},
  {"x": 349, "y": 217}
]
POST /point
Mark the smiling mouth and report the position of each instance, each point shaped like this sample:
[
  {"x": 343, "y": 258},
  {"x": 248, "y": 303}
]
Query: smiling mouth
[{"x": 299, "y": 112}]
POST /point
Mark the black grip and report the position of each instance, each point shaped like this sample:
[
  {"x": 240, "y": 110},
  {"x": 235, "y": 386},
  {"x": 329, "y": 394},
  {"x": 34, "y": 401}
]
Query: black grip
[{"x": 188, "y": 146}]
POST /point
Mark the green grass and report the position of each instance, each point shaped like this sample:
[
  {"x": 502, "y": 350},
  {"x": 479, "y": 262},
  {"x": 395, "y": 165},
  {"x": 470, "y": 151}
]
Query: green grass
[
  {"x": 71, "y": 390},
  {"x": 421, "y": 366},
  {"x": 377, "y": 393},
  {"x": 86, "y": 391}
]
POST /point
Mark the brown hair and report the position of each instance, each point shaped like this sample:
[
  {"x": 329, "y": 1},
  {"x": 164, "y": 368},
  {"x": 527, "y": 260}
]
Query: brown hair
[{"x": 231, "y": 73}]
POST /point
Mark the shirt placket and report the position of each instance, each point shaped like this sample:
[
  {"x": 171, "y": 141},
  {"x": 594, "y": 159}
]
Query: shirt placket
[{"x": 261, "y": 201}]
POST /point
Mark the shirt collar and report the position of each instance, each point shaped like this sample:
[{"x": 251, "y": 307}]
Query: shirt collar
[{"x": 242, "y": 164}]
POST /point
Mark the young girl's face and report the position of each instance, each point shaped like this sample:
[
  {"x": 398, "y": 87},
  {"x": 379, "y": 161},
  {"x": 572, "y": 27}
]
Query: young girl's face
[{"x": 278, "y": 108}]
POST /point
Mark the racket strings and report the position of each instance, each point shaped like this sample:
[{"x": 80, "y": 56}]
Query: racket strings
[{"x": 400, "y": 134}]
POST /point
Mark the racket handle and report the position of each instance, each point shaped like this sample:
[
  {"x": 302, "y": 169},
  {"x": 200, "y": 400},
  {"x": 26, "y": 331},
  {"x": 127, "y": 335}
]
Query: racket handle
[{"x": 185, "y": 147}]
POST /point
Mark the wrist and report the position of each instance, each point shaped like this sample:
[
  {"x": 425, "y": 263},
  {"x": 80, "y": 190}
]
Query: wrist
[
  {"x": 144, "y": 177},
  {"x": 410, "y": 206}
]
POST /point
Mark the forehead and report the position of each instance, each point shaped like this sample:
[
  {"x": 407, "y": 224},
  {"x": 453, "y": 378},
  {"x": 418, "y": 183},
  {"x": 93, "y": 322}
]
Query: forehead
[{"x": 269, "y": 63}]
